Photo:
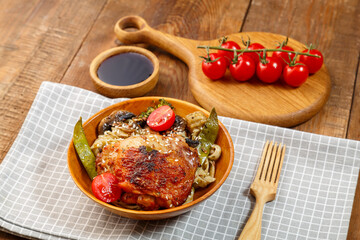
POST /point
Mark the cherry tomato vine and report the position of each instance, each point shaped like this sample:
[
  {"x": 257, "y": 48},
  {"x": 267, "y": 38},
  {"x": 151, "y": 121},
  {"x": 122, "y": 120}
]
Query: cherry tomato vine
[{"x": 254, "y": 60}]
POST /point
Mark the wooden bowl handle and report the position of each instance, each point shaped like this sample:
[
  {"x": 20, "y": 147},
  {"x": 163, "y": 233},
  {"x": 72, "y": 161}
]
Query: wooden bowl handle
[{"x": 176, "y": 46}]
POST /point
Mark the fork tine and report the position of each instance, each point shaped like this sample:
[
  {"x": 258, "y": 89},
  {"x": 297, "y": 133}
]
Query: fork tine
[
  {"x": 260, "y": 167},
  {"x": 265, "y": 167},
  {"x": 279, "y": 160},
  {"x": 272, "y": 163}
]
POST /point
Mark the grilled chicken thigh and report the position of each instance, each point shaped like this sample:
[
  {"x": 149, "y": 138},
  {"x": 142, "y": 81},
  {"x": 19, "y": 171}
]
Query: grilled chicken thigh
[{"x": 154, "y": 171}]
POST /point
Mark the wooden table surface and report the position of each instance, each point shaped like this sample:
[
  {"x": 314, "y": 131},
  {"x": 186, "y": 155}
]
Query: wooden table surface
[{"x": 54, "y": 40}]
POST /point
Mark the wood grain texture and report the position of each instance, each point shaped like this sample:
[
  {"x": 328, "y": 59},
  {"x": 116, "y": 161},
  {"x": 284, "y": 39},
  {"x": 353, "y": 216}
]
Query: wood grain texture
[
  {"x": 275, "y": 104},
  {"x": 354, "y": 121},
  {"x": 330, "y": 25},
  {"x": 43, "y": 40},
  {"x": 354, "y": 133},
  {"x": 190, "y": 19}
]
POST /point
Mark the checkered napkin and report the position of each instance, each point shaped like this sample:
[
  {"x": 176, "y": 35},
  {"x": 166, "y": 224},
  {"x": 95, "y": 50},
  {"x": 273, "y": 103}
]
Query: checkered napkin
[{"x": 38, "y": 198}]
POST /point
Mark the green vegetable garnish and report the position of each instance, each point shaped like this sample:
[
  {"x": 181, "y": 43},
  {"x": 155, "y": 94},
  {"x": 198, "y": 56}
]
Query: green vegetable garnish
[
  {"x": 207, "y": 136},
  {"x": 149, "y": 110},
  {"x": 83, "y": 150}
]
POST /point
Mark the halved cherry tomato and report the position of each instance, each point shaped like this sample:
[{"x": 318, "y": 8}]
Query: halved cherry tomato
[
  {"x": 284, "y": 56},
  {"x": 161, "y": 118},
  {"x": 228, "y": 55},
  {"x": 105, "y": 187},
  {"x": 243, "y": 69},
  {"x": 313, "y": 63},
  {"x": 270, "y": 71},
  {"x": 255, "y": 55},
  {"x": 295, "y": 75}
]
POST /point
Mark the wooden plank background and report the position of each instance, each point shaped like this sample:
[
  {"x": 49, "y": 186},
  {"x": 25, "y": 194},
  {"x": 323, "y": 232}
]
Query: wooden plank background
[{"x": 55, "y": 40}]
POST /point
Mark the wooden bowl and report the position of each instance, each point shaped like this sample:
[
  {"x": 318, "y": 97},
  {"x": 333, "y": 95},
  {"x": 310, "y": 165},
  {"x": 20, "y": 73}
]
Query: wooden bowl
[
  {"x": 134, "y": 90},
  {"x": 138, "y": 105}
]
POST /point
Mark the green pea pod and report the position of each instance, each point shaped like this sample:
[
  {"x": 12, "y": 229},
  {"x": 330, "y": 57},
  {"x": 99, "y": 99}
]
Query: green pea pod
[
  {"x": 83, "y": 150},
  {"x": 207, "y": 136}
]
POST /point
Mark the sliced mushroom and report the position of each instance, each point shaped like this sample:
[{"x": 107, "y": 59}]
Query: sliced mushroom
[
  {"x": 179, "y": 126},
  {"x": 117, "y": 116},
  {"x": 192, "y": 143}
]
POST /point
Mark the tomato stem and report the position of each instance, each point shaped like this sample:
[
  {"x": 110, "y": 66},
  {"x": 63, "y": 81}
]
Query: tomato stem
[
  {"x": 246, "y": 43},
  {"x": 207, "y": 58},
  {"x": 263, "y": 57},
  {"x": 222, "y": 40},
  {"x": 283, "y": 43},
  {"x": 292, "y": 62},
  {"x": 236, "y": 57},
  {"x": 258, "y": 50},
  {"x": 310, "y": 47}
]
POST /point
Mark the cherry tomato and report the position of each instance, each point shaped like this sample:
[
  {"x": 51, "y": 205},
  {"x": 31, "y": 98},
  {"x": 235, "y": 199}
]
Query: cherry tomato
[
  {"x": 212, "y": 68},
  {"x": 295, "y": 75},
  {"x": 228, "y": 55},
  {"x": 243, "y": 69},
  {"x": 284, "y": 56},
  {"x": 313, "y": 63},
  {"x": 269, "y": 72},
  {"x": 105, "y": 187},
  {"x": 161, "y": 118},
  {"x": 255, "y": 55}
]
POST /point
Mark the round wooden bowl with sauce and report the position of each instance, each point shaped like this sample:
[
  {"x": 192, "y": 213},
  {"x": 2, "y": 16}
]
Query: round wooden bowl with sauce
[
  {"x": 138, "y": 105},
  {"x": 116, "y": 76}
]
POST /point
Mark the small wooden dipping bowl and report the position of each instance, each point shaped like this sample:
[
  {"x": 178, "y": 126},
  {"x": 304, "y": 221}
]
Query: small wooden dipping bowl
[
  {"x": 138, "y": 105},
  {"x": 135, "y": 90}
]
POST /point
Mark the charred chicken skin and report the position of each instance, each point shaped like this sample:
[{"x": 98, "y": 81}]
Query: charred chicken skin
[{"x": 154, "y": 171}]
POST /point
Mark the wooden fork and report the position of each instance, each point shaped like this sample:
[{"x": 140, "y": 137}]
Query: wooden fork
[{"x": 264, "y": 187}]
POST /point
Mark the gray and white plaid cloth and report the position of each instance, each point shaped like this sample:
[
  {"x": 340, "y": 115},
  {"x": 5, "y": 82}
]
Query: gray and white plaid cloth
[{"x": 38, "y": 198}]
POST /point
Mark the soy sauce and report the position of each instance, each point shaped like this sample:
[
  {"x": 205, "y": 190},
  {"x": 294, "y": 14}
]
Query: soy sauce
[{"x": 125, "y": 69}]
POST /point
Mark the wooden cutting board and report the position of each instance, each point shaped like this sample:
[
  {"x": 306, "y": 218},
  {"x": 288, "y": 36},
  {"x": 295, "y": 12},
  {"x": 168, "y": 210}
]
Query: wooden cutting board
[{"x": 275, "y": 104}]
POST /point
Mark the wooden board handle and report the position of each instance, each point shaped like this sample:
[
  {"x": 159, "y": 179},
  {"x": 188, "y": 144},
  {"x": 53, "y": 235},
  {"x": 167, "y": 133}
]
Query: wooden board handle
[
  {"x": 177, "y": 46},
  {"x": 131, "y": 22}
]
